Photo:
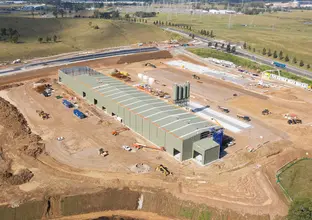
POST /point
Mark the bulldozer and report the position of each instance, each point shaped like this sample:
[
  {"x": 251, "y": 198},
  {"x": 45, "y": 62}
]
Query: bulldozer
[
  {"x": 43, "y": 114},
  {"x": 194, "y": 76},
  {"x": 294, "y": 121},
  {"x": 103, "y": 152},
  {"x": 164, "y": 170},
  {"x": 140, "y": 146},
  {"x": 266, "y": 112},
  {"x": 119, "y": 130}
]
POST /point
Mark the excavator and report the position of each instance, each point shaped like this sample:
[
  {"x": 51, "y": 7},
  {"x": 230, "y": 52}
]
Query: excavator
[
  {"x": 119, "y": 130},
  {"x": 140, "y": 146},
  {"x": 164, "y": 170},
  {"x": 43, "y": 114}
]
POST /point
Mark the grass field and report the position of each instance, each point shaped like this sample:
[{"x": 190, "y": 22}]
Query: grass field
[
  {"x": 278, "y": 31},
  {"x": 297, "y": 180},
  {"x": 244, "y": 62},
  {"x": 75, "y": 35}
]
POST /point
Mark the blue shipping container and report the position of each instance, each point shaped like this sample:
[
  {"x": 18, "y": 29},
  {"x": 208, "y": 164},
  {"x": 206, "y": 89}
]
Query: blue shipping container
[
  {"x": 67, "y": 103},
  {"x": 218, "y": 137},
  {"x": 79, "y": 114}
]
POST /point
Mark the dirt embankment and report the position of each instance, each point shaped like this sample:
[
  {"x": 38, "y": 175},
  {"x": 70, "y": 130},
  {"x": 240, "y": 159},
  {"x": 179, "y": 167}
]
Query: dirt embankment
[
  {"x": 15, "y": 137},
  {"x": 163, "y": 54}
]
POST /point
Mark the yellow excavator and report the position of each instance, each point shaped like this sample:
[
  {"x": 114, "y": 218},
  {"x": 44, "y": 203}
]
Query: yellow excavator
[{"x": 164, "y": 170}]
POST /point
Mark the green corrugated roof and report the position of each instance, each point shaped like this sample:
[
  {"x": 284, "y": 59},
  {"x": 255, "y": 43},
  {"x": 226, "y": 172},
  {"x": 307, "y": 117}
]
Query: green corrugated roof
[
  {"x": 168, "y": 117},
  {"x": 204, "y": 144}
]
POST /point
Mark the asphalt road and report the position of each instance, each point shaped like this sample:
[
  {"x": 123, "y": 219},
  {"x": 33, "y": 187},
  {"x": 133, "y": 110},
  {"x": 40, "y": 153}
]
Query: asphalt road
[
  {"x": 246, "y": 54},
  {"x": 77, "y": 59}
]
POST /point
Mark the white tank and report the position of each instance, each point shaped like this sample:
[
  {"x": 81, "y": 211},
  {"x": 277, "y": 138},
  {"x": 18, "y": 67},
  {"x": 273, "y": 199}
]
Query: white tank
[
  {"x": 151, "y": 81},
  {"x": 145, "y": 78},
  {"x": 140, "y": 75}
]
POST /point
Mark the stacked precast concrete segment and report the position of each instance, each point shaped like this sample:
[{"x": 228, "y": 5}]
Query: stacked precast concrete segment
[
  {"x": 183, "y": 134},
  {"x": 181, "y": 93}
]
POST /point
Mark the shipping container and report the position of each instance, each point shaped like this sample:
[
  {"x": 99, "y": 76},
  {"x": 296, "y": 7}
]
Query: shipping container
[
  {"x": 277, "y": 64},
  {"x": 67, "y": 103},
  {"x": 79, "y": 114}
]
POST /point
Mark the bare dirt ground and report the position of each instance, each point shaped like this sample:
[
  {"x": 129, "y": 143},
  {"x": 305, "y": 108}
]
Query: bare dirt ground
[{"x": 241, "y": 181}]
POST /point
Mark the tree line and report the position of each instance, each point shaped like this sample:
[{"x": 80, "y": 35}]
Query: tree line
[
  {"x": 9, "y": 34},
  {"x": 48, "y": 39},
  {"x": 228, "y": 48},
  {"x": 277, "y": 55}
]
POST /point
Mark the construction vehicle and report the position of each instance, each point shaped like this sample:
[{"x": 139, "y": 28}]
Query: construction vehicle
[
  {"x": 119, "y": 130},
  {"x": 294, "y": 121},
  {"x": 164, "y": 170},
  {"x": 194, "y": 76},
  {"x": 150, "y": 64},
  {"x": 121, "y": 75},
  {"x": 140, "y": 146},
  {"x": 217, "y": 122},
  {"x": 266, "y": 112},
  {"x": 43, "y": 114},
  {"x": 226, "y": 110},
  {"x": 244, "y": 117},
  {"x": 103, "y": 152}
]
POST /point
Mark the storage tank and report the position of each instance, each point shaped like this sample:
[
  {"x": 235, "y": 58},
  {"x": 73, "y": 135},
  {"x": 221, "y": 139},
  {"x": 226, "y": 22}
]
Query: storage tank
[
  {"x": 175, "y": 90},
  {"x": 140, "y": 75},
  {"x": 151, "y": 81},
  {"x": 180, "y": 92},
  {"x": 145, "y": 78}
]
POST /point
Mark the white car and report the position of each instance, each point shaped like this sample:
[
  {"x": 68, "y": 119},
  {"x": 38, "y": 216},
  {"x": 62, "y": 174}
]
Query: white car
[
  {"x": 127, "y": 148},
  {"x": 60, "y": 138}
]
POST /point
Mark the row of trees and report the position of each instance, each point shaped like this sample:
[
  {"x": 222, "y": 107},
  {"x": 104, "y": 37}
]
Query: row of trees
[
  {"x": 48, "y": 39},
  {"x": 9, "y": 34},
  {"x": 207, "y": 33},
  {"x": 275, "y": 55},
  {"x": 173, "y": 25},
  {"x": 143, "y": 14},
  {"x": 229, "y": 48},
  {"x": 140, "y": 20}
]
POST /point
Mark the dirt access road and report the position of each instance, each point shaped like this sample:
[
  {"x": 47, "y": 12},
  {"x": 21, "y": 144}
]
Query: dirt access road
[{"x": 240, "y": 181}]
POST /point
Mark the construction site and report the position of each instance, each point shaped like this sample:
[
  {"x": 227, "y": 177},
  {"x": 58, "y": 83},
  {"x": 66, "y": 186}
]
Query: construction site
[{"x": 78, "y": 139}]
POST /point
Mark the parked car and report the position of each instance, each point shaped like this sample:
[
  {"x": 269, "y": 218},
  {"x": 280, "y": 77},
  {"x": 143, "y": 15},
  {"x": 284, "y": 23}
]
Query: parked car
[{"x": 127, "y": 148}]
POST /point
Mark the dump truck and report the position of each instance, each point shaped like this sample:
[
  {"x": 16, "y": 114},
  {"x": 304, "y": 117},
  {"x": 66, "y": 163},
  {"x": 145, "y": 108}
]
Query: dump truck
[
  {"x": 226, "y": 110},
  {"x": 103, "y": 152},
  {"x": 164, "y": 170},
  {"x": 294, "y": 121},
  {"x": 266, "y": 112},
  {"x": 244, "y": 117}
]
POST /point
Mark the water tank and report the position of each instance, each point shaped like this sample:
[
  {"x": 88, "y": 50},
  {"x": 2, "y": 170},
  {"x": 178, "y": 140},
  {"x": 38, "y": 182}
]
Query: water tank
[
  {"x": 151, "y": 81},
  {"x": 145, "y": 78},
  {"x": 175, "y": 90},
  {"x": 140, "y": 75},
  {"x": 181, "y": 92}
]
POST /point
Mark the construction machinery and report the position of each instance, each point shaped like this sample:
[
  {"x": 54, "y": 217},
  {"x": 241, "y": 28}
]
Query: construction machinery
[
  {"x": 140, "y": 146},
  {"x": 164, "y": 170},
  {"x": 244, "y": 117},
  {"x": 226, "y": 110},
  {"x": 150, "y": 64},
  {"x": 43, "y": 114},
  {"x": 266, "y": 112},
  {"x": 194, "y": 76},
  {"x": 103, "y": 152},
  {"x": 292, "y": 119},
  {"x": 121, "y": 75},
  {"x": 119, "y": 130}
]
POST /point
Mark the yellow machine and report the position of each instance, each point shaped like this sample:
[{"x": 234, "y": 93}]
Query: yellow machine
[{"x": 164, "y": 170}]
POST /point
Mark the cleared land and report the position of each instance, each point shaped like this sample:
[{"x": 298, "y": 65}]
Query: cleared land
[
  {"x": 74, "y": 35},
  {"x": 278, "y": 31},
  {"x": 297, "y": 180}
]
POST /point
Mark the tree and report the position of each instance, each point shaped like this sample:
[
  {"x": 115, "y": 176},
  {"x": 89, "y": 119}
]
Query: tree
[
  {"x": 254, "y": 50},
  {"x": 228, "y": 48},
  {"x": 54, "y": 38},
  {"x": 14, "y": 38},
  {"x": 55, "y": 14},
  {"x": 308, "y": 66},
  {"x": 193, "y": 36},
  {"x": 216, "y": 44},
  {"x": 294, "y": 60},
  {"x": 96, "y": 14},
  {"x": 127, "y": 16},
  {"x": 275, "y": 54},
  {"x": 245, "y": 45},
  {"x": 300, "y": 210},
  {"x": 264, "y": 51},
  {"x": 286, "y": 58},
  {"x": 209, "y": 44},
  {"x": 222, "y": 46},
  {"x": 48, "y": 39},
  {"x": 40, "y": 39},
  {"x": 90, "y": 23},
  {"x": 233, "y": 50},
  {"x": 249, "y": 47},
  {"x": 211, "y": 34},
  {"x": 3, "y": 32},
  {"x": 115, "y": 14},
  {"x": 62, "y": 12},
  {"x": 301, "y": 63},
  {"x": 281, "y": 55},
  {"x": 269, "y": 53}
]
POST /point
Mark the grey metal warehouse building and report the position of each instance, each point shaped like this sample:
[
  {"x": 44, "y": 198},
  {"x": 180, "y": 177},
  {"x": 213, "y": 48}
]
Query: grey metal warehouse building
[{"x": 183, "y": 134}]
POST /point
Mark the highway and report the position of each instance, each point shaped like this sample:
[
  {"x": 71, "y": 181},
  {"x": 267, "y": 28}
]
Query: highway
[
  {"x": 246, "y": 54},
  {"x": 75, "y": 59}
]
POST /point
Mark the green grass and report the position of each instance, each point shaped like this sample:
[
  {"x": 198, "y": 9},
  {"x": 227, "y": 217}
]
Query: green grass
[
  {"x": 297, "y": 180},
  {"x": 206, "y": 52},
  {"x": 187, "y": 213},
  {"x": 75, "y": 35},
  {"x": 278, "y": 31}
]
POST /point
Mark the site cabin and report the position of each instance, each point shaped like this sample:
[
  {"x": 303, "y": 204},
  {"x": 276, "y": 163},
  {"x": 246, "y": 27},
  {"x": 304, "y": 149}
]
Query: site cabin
[
  {"x": 79, "y": 114},
  {"x": 68, "y": 104},
  {"x": 183, "y": 134}
]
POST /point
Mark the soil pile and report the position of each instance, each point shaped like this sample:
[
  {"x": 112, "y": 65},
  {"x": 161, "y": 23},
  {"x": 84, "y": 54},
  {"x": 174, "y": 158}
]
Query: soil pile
[
  {"x": 23, "y": 176},
  {"x": 16, "y": 135},
  {"x": 163, "y": 54},
  {"x": 11, "y": 86}
]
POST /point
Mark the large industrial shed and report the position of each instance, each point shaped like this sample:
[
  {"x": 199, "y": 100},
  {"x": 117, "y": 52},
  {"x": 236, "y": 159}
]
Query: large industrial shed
[{"x": 183, "y": 134}]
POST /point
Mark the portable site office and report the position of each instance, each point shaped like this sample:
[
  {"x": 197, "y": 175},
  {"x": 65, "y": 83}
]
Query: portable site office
[{"x": 183, "y": 134}]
